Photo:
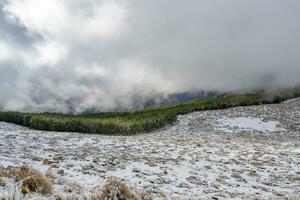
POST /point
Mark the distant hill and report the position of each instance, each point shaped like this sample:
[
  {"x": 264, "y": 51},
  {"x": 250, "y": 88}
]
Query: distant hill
[
  {"x": 181, "y": 97},
  {"x": 142, "y": 120},
  {"x": 159, "y": 100}
]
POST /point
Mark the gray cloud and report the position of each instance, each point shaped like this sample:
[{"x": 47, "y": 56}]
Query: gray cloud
[{"x": 62, "y": 55}]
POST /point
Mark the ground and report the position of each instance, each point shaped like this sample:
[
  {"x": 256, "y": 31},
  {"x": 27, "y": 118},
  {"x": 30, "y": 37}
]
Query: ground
[{"x": 235, "y": 153}]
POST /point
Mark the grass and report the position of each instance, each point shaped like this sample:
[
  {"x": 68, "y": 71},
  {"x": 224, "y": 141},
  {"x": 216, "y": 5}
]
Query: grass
[
  {"x": 40, "y": 187},
  {"x": 115, "y": 189},
  {"x": 145, "y": 120},
  {"x": 30, "y": 181}
]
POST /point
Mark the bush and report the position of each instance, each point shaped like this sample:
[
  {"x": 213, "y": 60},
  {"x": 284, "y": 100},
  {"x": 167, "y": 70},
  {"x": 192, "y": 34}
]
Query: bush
[{"x": 125, "y": 123}]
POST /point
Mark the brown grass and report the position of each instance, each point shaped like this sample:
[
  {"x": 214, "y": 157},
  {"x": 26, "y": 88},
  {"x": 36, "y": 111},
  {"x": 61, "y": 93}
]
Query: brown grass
[
  {"x": 70, "y": 197},
  {"x": 31, "y": 179},
  {"x": 8, "y": 172},
  {"x": 115, "y": 189}
]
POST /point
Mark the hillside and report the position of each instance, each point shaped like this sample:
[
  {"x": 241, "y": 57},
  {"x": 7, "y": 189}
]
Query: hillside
[
  {"x": 145, "y": 120},
  {"x": 236, "y": 153}
]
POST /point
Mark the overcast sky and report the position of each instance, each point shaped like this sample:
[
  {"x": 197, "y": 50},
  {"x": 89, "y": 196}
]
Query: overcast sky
[{"x": 57, "y": 55}]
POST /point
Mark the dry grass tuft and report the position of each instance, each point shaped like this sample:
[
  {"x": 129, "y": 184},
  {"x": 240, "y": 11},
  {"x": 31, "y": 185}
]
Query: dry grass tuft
[
  {"x": 115, "y": 190},
  {"x": 8, "y": 172},
  {"x": 70, "y": 197},
  {"x": 112, "y": 190},
  {"x": 37, "y": 183},
  {"x": 25, "y": 171},
  {"x": 31, "y": 179}
]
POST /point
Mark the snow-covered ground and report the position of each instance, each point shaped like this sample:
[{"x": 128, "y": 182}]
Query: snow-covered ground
[
  {"x": 232, "y": 154},
  {"x": 249, "y": 123}
]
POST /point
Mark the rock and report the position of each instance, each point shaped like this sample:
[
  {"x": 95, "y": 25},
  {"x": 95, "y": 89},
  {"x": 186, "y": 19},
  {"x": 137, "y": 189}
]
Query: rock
[
  {"x": 183, "y": 185},
  {"x": 195, "y": 180},
  {"x": 61, "y": 172},
  {"x": 58, "y": 157},
  {"x": 136, "y": 170}
]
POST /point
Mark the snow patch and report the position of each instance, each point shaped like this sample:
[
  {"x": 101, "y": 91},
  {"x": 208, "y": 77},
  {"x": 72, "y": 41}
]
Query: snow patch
[{"x": 249, "y": 123}]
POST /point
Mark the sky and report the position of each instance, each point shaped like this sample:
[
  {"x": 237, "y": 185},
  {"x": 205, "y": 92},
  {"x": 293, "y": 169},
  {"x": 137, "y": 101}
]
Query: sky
[{"x": 73, "y": 55}]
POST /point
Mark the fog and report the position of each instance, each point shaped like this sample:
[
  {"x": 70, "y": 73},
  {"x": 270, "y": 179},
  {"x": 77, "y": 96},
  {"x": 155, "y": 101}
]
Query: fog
[{"x": 74, "y": 55}]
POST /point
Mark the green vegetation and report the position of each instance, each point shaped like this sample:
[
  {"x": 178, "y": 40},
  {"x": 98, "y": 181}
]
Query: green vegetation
[{"x": 125, "y": 123}]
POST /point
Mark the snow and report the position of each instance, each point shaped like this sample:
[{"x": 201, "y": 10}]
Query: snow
[
  {"x": 250, "y": 123},
  {"x": 229, "y": 154}
]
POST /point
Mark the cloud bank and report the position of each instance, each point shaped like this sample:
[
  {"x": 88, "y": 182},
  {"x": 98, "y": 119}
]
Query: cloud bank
[{"x": 73, "y": 55}]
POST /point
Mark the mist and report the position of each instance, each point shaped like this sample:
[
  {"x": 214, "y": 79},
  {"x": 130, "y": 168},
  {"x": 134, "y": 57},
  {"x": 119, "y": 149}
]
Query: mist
[{"x": 73, "y": 55}]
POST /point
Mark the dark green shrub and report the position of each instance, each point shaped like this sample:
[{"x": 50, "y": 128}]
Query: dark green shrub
[{"x": 124, "y": 123}]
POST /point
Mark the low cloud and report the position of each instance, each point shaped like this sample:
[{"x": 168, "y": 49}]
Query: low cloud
[{"x": 74, "y": 55}]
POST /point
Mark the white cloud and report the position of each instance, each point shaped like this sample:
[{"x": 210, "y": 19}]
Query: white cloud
[
  {"x": 55, "y": 19},
  {"x": 143, "y": 78},
  {"x": 38, "y": 16},
  {"x": 5, "y": 51},
  {"x": 104, "y": 20},
  {"x": 63, "y": 55},
  {"x": 49, "y": 53}
]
